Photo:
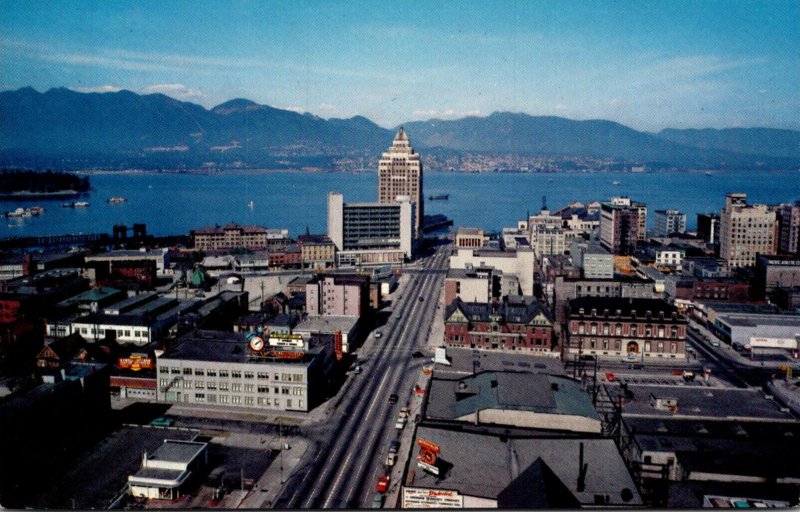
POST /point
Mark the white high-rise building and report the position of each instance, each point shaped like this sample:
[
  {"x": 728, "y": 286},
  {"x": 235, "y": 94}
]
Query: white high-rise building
[
  {"x": 400, "y": 174},
  {"x": 668, "y": 222}
]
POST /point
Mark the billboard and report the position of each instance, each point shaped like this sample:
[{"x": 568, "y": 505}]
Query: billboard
[
  {"x": 286, "y": 341},
  {"x": 761, "y": 342},
  {"x": 431, "y": 498},
  {"x": 136, "y": 362}
]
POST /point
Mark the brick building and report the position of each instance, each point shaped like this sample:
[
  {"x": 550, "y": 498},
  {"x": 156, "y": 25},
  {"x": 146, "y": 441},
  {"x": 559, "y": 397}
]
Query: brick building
[
  {"x": 234, "y": 236},
  {"x": 521, "y": 324},
  {"x": 641, "y": 329}
]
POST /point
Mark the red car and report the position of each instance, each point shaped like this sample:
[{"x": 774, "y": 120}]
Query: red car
[
  {"x": 610, "y": 377},
  {"x": 383, "y": 484}
]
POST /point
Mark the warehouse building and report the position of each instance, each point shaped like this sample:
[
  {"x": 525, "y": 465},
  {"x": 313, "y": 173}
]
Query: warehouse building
[{"x": 260, "y": 371}]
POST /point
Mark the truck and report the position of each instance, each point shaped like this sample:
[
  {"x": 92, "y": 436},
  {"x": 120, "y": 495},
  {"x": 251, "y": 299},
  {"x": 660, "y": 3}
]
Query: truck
[{"x": 391, "y": 459}]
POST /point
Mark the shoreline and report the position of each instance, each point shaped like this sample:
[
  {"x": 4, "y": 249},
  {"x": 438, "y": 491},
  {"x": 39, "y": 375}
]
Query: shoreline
[
  {"x": 233, "y": 172},
  {"x": 42, "y": 195}
]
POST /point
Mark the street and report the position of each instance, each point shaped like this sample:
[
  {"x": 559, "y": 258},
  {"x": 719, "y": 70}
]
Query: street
[{"x": 346, "y": 453}]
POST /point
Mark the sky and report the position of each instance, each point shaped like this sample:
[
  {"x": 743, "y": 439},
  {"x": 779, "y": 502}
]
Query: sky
[{"x": 648, "y": 65}]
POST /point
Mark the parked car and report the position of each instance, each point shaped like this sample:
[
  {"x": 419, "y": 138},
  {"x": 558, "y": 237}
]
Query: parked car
[
  {"x": 377, "y": 501},
  {"x": 378, "y": 334},
  {"x": 417, "y": 354},
  {"x": 394, "y": 446},
  {"x": 393, "y": 398},
  {"x": 610, "y": 377},
  {"x": 383, "y": 484},
  {"x": 400, "y": 424},
  {"x": 391, "y": 459},
  {"x": 714, "y": 343}
]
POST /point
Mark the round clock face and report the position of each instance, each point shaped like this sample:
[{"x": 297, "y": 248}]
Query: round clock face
[{"x": 257, "y": 343}]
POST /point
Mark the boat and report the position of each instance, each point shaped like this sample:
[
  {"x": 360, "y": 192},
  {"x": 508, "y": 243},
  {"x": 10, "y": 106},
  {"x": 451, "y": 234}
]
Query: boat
[
  {"x": 19, "y": 212},
  {"x": 75, "y": 204},
  {"x": 25, "y": 212},
  {"x": 440, "y": 197},
  {"x": 250, "y": 205},
  {"x": 116, "y": 200},
  {"x": 709, "y": 173},
  {"x": 615, "y": 182}
]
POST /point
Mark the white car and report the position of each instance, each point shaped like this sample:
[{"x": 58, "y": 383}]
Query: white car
[
  {"x": 715, "y": 343},
  {"x": 378, "y": 334}
]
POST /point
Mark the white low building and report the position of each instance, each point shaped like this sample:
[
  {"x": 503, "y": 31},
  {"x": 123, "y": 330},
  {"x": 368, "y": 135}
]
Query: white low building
[{"x": 166, "y": 472}]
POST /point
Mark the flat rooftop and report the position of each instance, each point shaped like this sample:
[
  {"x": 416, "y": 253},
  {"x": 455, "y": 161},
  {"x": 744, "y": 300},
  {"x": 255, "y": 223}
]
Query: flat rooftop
[
  {"x": 465, "y": 362},
  {"x": 756, "y": 320},
  {"x": 700, "y": 402},
  {"x": 226, "y": 347},
  {"x": 326, "y": 324},
  {"x": 177, "y": 451}
]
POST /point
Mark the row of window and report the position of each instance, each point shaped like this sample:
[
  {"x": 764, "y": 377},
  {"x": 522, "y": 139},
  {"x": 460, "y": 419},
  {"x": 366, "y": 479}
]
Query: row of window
[
  {"x": 233, "y": 374},
  {"x": 96, "y": 331},
  {"x": 247, "y": 400},
  {"x": 634, "y": 330},
  {"x": 236, "y": 387},
  {"x": 605, "y": 345}
]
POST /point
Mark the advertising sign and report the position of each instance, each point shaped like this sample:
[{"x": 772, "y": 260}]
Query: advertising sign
[
  {"x": 135, "y": 362},
  {"x": 759, "y": 342},
  {"x": 431, "y": 498},
  {"x": 286, "y": 340}
]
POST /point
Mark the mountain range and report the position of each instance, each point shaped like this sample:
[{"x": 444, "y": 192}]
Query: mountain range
[{"x": 66, "y": 129}]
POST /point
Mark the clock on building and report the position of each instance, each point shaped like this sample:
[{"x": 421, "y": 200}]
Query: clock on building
[{"x": 257, "y": 343}]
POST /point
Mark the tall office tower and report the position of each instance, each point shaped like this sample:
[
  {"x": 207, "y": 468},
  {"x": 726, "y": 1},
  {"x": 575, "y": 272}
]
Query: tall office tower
[
  {"x": 745, "y": 230},
  {"x": 788, "y": 218},
  {"x": 622, "y": 225},
  {"x": 668, "y": 222},
  {"x": 400, "y": 174}
]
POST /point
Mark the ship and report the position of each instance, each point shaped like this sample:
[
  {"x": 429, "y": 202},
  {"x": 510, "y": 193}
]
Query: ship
[
  {"x": 116, "y": 200},
  {"x": 25, "y": 212},
  {"x": 615, "y": 182},
  {"x": 250, "y": 205},
  {"x": 440, "y": 197},
  {"x": 75, "y": 204}
]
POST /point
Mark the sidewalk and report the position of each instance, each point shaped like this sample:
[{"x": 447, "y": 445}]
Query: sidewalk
[{"x": 267, "y": 488}]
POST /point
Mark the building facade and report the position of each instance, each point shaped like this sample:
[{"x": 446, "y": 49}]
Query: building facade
[
  {"x": 277, "y": 372},
  {"x": 234, "y": 236},
  {"x": 371, "y": 233},
  {"x": 708, "y": 227},
  {"x": 400, "y": 174},
  {"x": 520, "y": 326},
  {"x": 317, "y": 251},
  {"x": 773, "y": 272},
  {"x": 519, "y": 263},
  {"x": 745, "y": 231},
  {"x": 338, "y": 295},
  {"x": 470, "y": 237},
  {"x": 622, "y": 225},
  {"x": 667, "y": 222},
  {"x": 639, "y": 329},
  {"x": 788, "y": 218}
]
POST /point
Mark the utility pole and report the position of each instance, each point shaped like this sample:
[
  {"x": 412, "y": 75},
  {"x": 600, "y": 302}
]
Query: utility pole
[{"x": 280, "y": 438}]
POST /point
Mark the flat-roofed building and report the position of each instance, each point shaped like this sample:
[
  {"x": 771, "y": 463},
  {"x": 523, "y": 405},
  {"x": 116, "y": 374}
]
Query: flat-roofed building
[
  {"x": 251, "y": 370},
  {"x": 480, "y": 284},
  {"x": 519, "y": 262},
  {"x": 668, "y": 222},
  {"x": 371, "y": 233},
  {"x": 167, "y": 472},
  {"x": 623, "y": 224},
  {"x": 122, "y": 257},
  {"x": 746, "y": 230},
  {"x": 317, "y": 251},
  {"x": 470, "y": 237},
  {"x": 234, "y": 236}
]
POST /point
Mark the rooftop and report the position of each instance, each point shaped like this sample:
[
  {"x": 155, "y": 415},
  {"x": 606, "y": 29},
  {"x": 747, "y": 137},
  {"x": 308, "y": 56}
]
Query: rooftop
[
  {"x": 508, "y": 390},
  {"x": 700, "y": 402},
  {"x": 503, "y": 459},
  {"x": 223, "y": 347}
]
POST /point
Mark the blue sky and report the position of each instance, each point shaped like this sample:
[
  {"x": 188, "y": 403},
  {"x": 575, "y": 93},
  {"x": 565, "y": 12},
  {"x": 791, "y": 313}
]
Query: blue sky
[{"x": 649, "y": 65}]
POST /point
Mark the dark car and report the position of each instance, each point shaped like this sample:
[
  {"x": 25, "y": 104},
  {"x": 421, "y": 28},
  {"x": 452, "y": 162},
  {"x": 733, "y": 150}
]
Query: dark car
[
  {"x": 421, "y": 299},
  {"x": 393, "y": 398},
  {"x": 417, "y": 354}
]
